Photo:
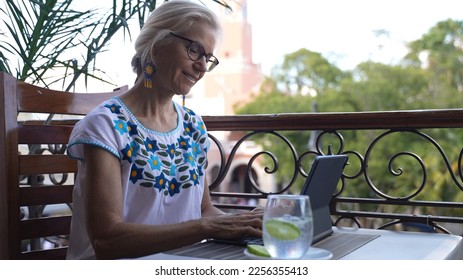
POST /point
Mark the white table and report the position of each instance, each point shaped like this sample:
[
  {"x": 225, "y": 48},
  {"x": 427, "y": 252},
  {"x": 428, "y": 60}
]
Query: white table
[
  {"x": 390, "y": 245},
  {"x": 402, "y": 245}
]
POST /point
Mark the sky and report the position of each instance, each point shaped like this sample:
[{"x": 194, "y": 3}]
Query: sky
[{"x": 341, "y": 30}]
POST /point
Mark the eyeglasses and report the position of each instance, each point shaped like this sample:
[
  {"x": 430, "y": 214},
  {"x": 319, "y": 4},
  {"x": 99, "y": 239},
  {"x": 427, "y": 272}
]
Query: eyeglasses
[{"x": 196, "y": 52}]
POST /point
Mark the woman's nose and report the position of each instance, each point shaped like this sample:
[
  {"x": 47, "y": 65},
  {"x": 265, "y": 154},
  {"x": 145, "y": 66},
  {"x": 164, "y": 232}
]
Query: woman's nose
[{"x": 202, "y": 64}]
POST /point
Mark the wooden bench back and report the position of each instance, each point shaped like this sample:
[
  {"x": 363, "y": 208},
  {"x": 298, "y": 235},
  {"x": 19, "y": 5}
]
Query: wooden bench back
[{"x": 35, "y": 180}]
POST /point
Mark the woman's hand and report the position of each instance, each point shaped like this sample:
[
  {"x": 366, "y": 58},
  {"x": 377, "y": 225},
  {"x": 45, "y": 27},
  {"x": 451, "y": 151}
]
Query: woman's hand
[{"x": 236, "y": 225}]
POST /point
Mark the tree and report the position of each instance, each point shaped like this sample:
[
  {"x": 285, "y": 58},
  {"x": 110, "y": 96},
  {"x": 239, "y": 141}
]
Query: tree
[
  {"x": 380, "y": 87},
  {"x": 441, "y": 52},
  {"x": 307, "y": 72},
  {"x": 374, "y": 87}
]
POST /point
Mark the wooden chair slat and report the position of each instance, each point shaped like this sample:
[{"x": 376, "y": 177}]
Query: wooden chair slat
[
  {"x": 46, "y": 164},
  {"x": 43, "y": 227},
  {"x": 44, "y": 134},
  {"x": 36, "y": 99},
  {"x": 44, "y": 195},
  {"x": 49, "y": 254}
]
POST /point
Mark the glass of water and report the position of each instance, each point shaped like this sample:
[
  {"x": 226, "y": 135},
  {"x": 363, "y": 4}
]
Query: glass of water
[{"x": 287, "y": 226}]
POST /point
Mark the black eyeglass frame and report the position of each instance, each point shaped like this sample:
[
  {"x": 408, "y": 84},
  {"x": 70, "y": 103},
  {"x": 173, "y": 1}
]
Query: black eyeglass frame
[{"x": 210, "y": 58}]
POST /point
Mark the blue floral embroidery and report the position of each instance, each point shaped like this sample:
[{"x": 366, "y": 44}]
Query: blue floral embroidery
[
  {"x": 160, "y": 183},
  {"x": 168, "y": 167},
  {"x": 196, "y": 149},
  {"x": 132, "y": 128},
  {"x": 171, "y": 150},
  {"x": 202, "y": 128},
  {"x": 174, "y": 187},
  {"x": 116, "y": 109},
  {"x": 194, "y": 177},
  {"x": 200, "y": 171},
  {"x": 173, "y": 170},
  {"x": 121, "y": 126},
  {"x": 129, "y": 151},
  {"x": 184, "y": 143},
  {"x": 189, "y": 158},
  {"x": 151, "y": 145},
  {"x": 136, "y": 174},
  {"x": 155, "y": 162},
  {"x": 189, "y": 129},
  {"x": 189, "y": 111}
]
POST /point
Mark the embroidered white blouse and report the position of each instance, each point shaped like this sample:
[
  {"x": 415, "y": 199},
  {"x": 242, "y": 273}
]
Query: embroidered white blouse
[{"x": 162, "y": 173}]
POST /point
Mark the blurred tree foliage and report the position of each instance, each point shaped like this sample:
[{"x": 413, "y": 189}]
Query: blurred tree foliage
[{"x": 430, "y": 76}]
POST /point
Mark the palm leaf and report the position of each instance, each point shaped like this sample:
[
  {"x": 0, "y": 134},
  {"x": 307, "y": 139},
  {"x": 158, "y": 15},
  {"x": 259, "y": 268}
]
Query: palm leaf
[{"x": 42, "y": 37}]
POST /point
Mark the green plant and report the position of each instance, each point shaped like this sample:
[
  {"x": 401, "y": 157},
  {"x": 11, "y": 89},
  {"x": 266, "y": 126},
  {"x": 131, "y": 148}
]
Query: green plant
[{"x": 49, "y": 41}]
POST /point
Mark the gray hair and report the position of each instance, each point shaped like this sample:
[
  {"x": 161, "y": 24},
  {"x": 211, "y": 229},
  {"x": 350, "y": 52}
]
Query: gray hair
[{"x": 171, "y": 16}]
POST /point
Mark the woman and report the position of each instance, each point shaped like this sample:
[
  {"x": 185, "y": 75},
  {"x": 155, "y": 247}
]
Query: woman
[{"x": 140, "y": 188}]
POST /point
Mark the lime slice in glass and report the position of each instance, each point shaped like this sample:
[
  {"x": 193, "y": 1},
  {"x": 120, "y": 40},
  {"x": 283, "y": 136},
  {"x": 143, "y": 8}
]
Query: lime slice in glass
[
  {"x": 258, "y": 250},
  {"x": 282, "y": 230}
]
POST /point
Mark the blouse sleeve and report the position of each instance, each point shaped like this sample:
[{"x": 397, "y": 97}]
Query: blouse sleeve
[{"x": 100, "y": 129}]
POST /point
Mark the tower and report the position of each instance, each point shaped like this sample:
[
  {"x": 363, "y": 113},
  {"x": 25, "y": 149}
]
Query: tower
[
  {"x": 236, "y": 77},
  {"x": 233, "y": 83}
]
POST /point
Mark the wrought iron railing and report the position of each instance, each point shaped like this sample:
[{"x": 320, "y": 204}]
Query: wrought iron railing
[
  {"x": 408, "y": 174},
  {"x": 365, "y": 198}
]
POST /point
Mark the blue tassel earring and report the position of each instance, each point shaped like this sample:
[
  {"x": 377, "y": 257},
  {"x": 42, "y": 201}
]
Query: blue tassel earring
[{"x": 148, "y": 70}]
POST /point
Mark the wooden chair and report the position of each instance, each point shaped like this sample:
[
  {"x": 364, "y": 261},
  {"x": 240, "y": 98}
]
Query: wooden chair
[{"x": 23, "y": 192}]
